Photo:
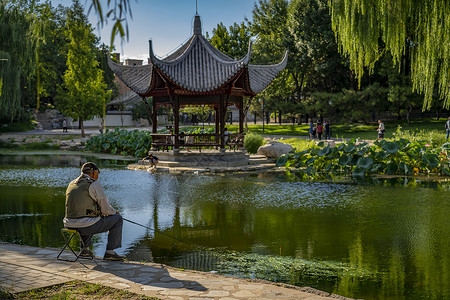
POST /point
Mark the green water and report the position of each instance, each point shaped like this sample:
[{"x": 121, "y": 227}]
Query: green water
[{"x": 389, "y": 240}]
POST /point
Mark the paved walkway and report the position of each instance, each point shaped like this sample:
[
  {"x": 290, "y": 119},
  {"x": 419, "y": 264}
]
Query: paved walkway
[{"x": 23, "y": 268}]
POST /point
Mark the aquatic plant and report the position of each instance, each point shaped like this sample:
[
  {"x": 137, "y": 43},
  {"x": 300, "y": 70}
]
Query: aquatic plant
[
  {"x": 120, "y": 141},
  {"x": 358, "y": 159}
]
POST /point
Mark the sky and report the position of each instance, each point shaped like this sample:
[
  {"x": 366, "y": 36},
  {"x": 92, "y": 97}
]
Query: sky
[{"x": 168, "y": 23}]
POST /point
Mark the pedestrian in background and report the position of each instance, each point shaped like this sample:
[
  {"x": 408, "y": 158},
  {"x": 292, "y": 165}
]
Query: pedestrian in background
[
  {"x": 380, "y": 130},
  {"x": 447, "y": 127},
  {"x": 319, "y": 130},
  {"x": 327, "y": 130}
]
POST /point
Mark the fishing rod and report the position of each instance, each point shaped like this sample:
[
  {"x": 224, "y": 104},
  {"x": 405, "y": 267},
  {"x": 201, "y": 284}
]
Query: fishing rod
[{"x": 159, "y": 232}]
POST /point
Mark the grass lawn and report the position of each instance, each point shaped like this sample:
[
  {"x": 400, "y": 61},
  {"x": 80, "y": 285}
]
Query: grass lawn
[
  {"x": 76, "y": 290},
  {"x": 361, "y": 131}
]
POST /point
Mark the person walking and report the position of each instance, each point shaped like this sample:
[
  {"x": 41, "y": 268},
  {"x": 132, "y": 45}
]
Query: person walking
[
  {"x": 319, "y": 130},
  {"x": 89, "y": 212},
  {"x": 311, "y": 129},
  {"x": 65, "y": 125},
  {"x": 327, "y": 130},
  {"x": 380, "y": 130},
  {"x": 447, "y": 127}
]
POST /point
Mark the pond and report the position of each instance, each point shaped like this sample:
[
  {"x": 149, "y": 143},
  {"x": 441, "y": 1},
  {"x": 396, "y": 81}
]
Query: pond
[{"x": 388, "y": 240}]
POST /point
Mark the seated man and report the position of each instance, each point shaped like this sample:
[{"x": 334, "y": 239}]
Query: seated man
[
  {"x": 153, "y": 160},
  {"x": 89, "y": 212}
]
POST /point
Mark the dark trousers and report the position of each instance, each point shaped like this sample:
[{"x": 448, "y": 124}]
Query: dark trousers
[{"x": 112, "y": 223}]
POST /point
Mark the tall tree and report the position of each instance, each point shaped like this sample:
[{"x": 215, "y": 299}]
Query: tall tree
[
  {"x": 16, "y": 59},
  {"x": 50, "y": 51},
  {"x": 365, "y": 29},
  {"x": 84, "y": 91}
]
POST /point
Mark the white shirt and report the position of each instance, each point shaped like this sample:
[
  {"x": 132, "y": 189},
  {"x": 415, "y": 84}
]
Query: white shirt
[
  {"x": 96, "y": 192},
  {"x": 381, "y": 127}
]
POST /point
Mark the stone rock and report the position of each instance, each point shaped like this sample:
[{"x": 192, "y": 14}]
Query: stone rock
[
  {"x": 274, "y": 149},
  {"x": 33, "y": 140}
]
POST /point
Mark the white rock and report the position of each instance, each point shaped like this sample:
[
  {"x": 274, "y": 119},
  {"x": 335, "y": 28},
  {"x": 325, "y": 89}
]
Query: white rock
[{"x": 274, "y": 149}]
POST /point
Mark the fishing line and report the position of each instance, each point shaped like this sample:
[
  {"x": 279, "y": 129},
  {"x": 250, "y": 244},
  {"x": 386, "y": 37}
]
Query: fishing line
[{"x": 159, "y": 232}]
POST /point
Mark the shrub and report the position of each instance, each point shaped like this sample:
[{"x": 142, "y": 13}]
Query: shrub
[
  {"x": 252, "y": 142},
  {"x": 120, "y": 141},
  {"x": 432, "y": 137}
]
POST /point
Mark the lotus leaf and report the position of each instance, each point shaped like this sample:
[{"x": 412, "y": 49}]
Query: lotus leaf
[
  {"x": 315, "y": 151},
  {"x": 377, "y": 168},
  {"x": 344, "y": 160},
  {"x": 391, "y": 147},
  {"x": 365, "y": 162},
  {"x": 350, "y": 148},
  {"x": 446, "y": 171},
  {"x": 431, "y": 159},
  {"x": 309, "y": 170},
  {"x": 281, "y": 161},
  {"x": 391, "y": 168},
  {"x": 358, "y": 172},
  {"x": 361, "y": 152},
  {"x": 324, "y": 151},
  {"x": 321, "y": 144},
  {"x": 310, "y": 160},
  {"x": 382, "y": 154},
  {"x": 445, "y": 146}
]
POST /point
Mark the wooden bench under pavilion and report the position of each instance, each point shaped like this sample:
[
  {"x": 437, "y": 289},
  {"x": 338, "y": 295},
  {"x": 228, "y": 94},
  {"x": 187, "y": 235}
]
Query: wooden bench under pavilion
[{"x": 197, "y": 74}]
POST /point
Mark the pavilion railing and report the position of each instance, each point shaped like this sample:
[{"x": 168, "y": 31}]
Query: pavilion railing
[{"x": 201, "y": 140}]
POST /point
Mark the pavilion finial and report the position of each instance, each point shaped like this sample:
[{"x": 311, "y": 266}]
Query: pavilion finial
[
  {"x": 197, "y": 25},
  {"x": 196, "y": 8}
]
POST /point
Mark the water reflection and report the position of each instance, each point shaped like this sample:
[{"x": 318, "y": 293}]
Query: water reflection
[{"x": 375, "y": 241}]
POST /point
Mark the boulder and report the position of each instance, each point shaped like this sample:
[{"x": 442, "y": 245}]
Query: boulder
[
  {"x": 274, "y": 149},
  {"x": 33, "y": 140}
]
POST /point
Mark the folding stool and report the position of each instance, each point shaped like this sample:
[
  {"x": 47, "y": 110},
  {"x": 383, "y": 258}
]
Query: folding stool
[{"x": 68, "y": 235}]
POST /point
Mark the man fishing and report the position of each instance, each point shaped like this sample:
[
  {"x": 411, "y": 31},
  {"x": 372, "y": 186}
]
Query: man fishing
[{"x": 89, "y": 212}]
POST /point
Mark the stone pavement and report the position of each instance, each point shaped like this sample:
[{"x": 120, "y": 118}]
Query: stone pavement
[{"x": 24, "y": 268}]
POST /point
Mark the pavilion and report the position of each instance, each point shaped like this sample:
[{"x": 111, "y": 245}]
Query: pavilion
[{"x": 197, "y": 74}]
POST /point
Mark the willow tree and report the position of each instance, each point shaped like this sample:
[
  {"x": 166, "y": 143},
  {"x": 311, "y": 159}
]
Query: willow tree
[
  {"x": 16, "y": 59},
  {"x": 365, "y": 29},
  {"x": 84, "y": 91}
]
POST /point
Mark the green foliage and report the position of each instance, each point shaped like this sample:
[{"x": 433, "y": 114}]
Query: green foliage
[
  {"x": 433, "y": 137},
  {"x": 16, "y": 59},
  {"x": 84, "y": 91},
  {"x": 30, "y": 146},
  {"x": 201, "y": 111},
  {"x": 252, "y": 142},
  {"x": 289, "y": 270},
  {"x": 300, "y": 144},
  {"x": 234, "y": 42},
  {"x": 358, "y": 159},
  {"x": 120, "y": 141},
  {"x": 367, "y": 28}
]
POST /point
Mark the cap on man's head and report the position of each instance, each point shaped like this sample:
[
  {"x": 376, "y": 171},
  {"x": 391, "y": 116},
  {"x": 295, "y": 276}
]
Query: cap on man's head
[{"x": 89, "y": 167}]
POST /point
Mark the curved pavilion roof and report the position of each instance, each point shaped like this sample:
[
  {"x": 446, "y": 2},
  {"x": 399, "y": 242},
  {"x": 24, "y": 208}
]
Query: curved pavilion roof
[{"x": 197, "y": 68}]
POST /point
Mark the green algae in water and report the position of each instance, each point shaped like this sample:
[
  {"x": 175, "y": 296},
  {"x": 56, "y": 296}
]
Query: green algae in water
[{"x": 295, "y": 271}]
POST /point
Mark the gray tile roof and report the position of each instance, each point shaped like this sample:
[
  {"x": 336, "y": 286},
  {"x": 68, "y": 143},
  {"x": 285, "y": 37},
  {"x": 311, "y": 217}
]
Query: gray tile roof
[
  {"x": 260, "y": 76},
  {"x": 201, "y": 67},
  {"x": 197, "y": 66},
  {"x": 137, "y": 78}
]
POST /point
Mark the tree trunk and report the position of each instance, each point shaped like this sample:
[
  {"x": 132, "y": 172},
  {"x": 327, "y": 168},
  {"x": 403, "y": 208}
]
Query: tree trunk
[
  {"x": 149, "y": 111},
  {"x": 82, "y": 128},
  {"x": 408, "y": 112}
]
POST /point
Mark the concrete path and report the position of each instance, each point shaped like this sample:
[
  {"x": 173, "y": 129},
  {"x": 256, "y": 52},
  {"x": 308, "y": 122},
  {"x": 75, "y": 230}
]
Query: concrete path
[{"x": 23, "y": 268}]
